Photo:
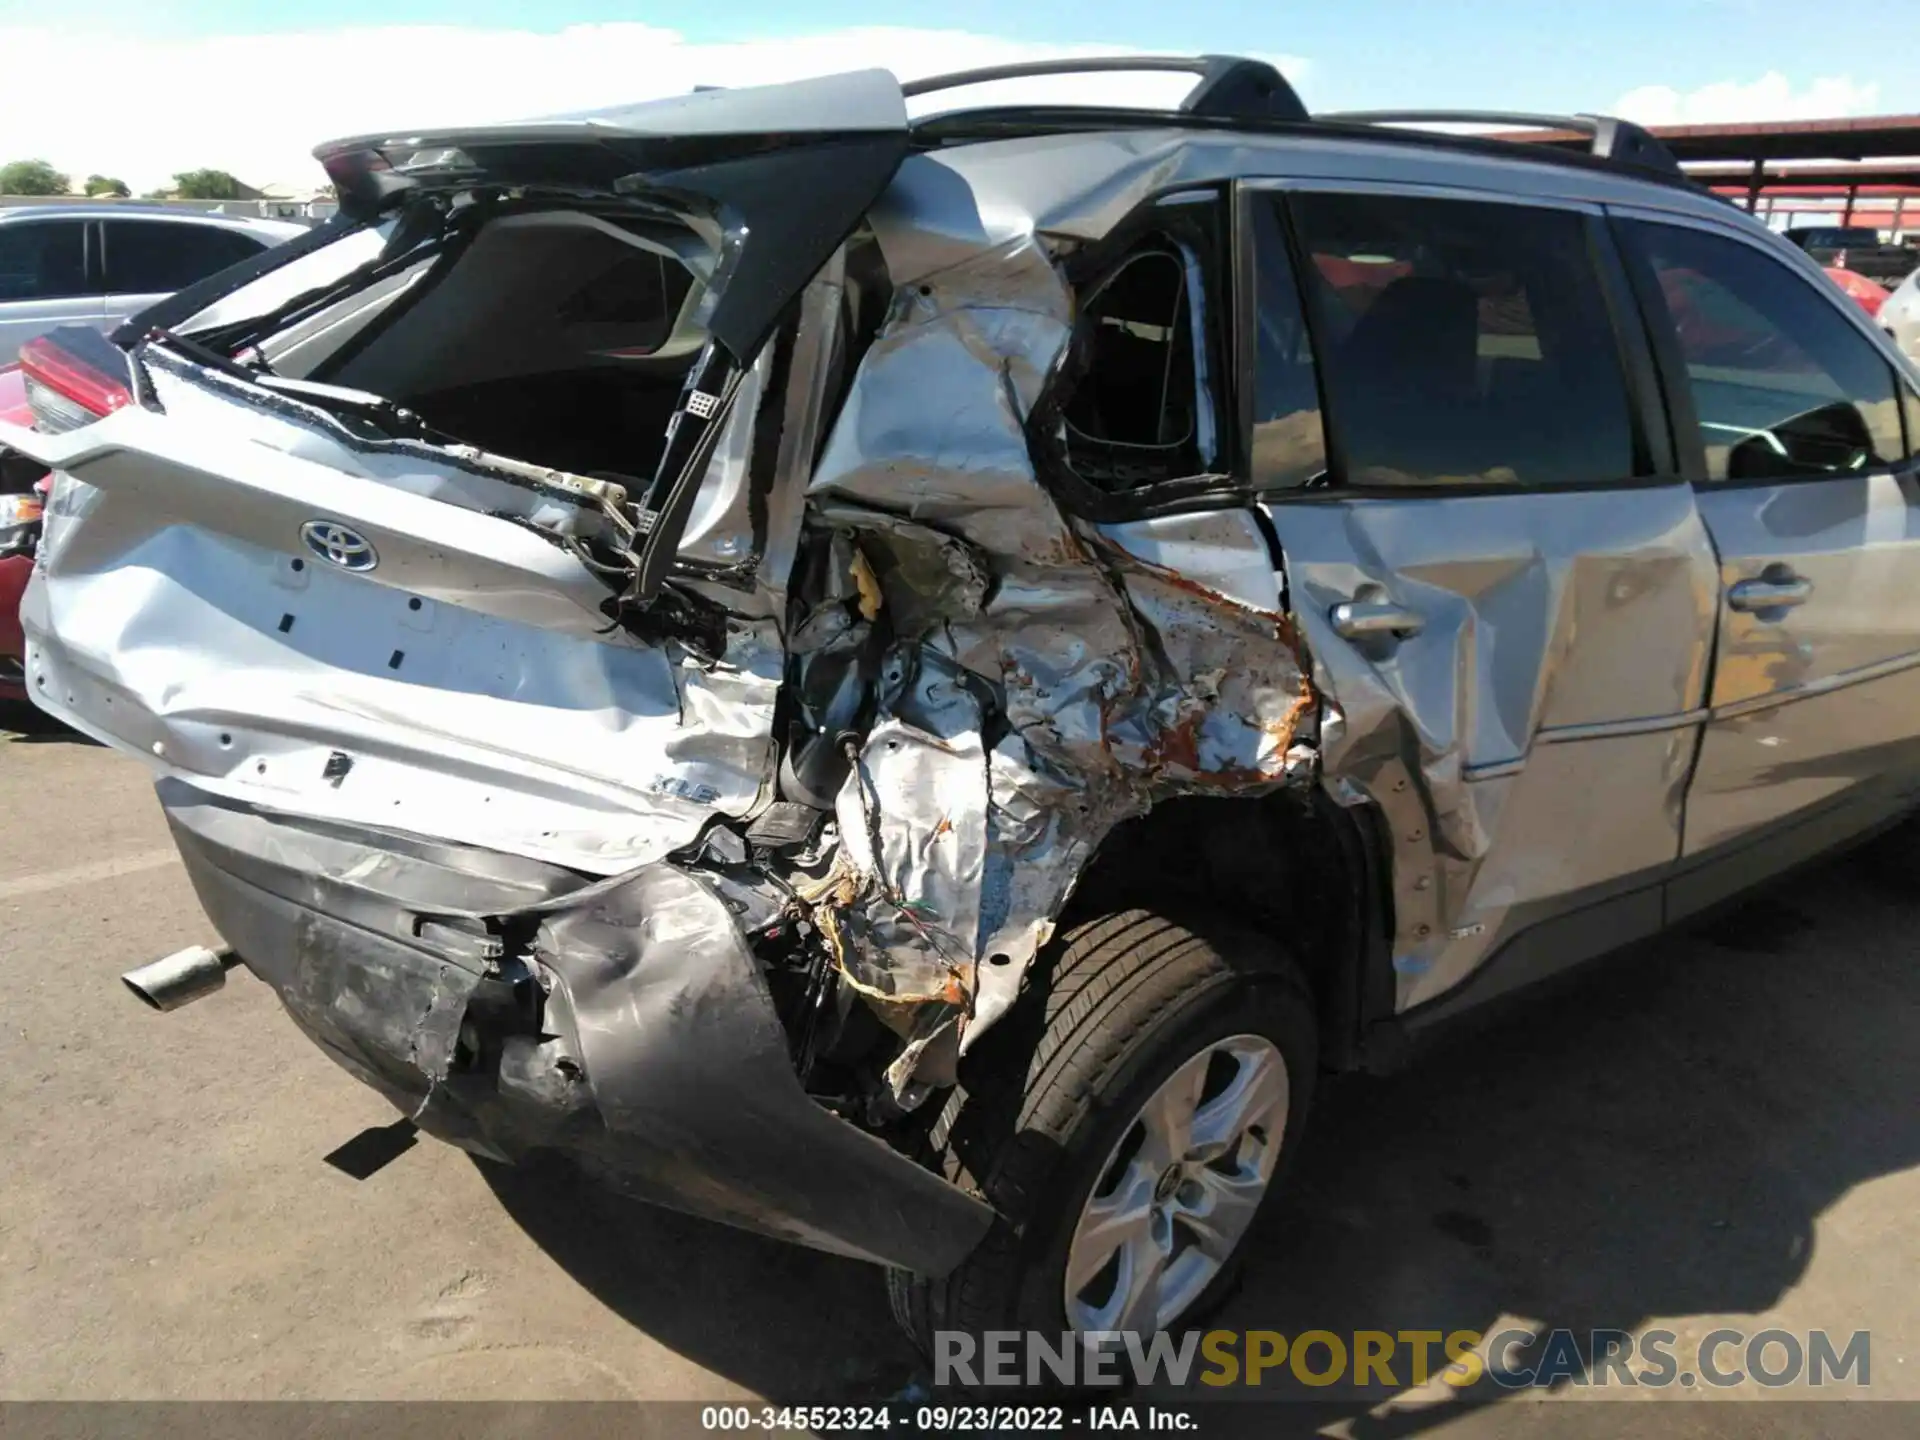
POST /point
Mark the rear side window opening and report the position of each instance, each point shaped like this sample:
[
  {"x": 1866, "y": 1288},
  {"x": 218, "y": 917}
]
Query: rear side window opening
[
  {"x": 1134, "y": 417},
  {"x": 1457, "y": 343},
  {"x": 1138, "y": 402}
]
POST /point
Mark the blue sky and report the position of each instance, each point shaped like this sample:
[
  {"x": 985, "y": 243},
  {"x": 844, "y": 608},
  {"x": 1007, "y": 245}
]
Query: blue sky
[{"x": 367, "y": 64}]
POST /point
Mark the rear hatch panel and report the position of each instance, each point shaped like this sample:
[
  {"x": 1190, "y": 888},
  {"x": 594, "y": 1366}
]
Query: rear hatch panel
[{"x": 468, "y": 684}]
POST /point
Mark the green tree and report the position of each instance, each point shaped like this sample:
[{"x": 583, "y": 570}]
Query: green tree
[
  {"x": 207, "y": 185},
  {"x": 107, "y": 185},
  {"x": 32, "y": 177}
]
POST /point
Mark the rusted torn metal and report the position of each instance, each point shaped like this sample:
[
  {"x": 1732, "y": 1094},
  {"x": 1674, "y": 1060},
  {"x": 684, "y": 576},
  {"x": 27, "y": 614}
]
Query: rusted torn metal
[{"x": 1040, "y": 684}]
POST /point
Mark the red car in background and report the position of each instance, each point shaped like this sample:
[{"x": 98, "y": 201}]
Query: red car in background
[
  {"x": 1870, "y": 294},
  {"x": 20, "y": 511}
]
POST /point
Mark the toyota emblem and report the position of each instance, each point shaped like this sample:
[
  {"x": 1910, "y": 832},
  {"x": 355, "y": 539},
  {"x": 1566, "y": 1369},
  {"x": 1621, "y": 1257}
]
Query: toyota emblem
[{"x": 337, "y": 545}]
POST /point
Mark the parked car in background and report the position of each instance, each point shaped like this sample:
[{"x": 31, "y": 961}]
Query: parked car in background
[
  {"x": 1819, "y": 240},
  {"x": 1870, "y": 295},
  {"x": 1857, "y": 248},
  {"x": 92, "y": 265},
  {"x": 1900, "y": 315},
  {"x": 97, "y": 264}
]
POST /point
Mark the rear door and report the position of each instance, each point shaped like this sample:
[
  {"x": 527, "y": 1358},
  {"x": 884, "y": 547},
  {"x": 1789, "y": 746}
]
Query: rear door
[
  {"x": 1506, "y": 587},
  {"x": 145, "y": 260},
  {"x": 1790, "y": 412},
  {"x": 46, "y": 280}
]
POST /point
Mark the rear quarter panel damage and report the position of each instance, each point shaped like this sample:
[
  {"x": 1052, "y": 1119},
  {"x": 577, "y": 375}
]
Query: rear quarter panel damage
[{"x": 1077, "y": 686}]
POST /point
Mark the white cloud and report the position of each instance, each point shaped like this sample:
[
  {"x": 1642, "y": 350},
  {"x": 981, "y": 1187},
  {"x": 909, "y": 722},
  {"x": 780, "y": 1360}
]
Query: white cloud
[
  {"x": 1771, "y": 97},
  {"x": 256, "y": 105}
]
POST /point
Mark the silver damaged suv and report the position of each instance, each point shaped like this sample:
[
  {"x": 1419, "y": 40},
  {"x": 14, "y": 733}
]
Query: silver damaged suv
[{"x": 908, "y": 676}]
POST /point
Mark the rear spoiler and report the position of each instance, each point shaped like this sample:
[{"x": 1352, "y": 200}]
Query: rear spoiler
[
  {"x": 789, "y": 170},
  {"x": 786, "y": 171}
]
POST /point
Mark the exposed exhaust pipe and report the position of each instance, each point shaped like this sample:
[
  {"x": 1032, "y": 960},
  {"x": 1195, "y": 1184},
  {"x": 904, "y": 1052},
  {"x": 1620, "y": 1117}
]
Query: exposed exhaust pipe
[{"x": 180, "y": 978}]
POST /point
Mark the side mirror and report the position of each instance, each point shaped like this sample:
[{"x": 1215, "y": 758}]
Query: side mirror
[{"x": 1830, "y": 440}]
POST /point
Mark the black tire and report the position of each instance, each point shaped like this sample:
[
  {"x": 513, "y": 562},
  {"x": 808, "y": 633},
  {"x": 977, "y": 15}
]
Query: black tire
[
  {"x": 1891, "y": 861},
  {"x": 1048, "y": 1093}
]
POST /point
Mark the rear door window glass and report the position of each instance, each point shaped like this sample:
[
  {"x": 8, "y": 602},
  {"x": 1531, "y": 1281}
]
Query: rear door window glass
[
  {"x": 155, "y": 257},
  {"x": 43, "y": 260},
  {"x": 1463, "y": 343},
  {"x": 1783, "y": 386}
]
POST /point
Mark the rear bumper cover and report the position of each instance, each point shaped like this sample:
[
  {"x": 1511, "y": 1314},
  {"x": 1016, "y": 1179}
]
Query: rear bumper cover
[{"x": 657, "y": 1061}]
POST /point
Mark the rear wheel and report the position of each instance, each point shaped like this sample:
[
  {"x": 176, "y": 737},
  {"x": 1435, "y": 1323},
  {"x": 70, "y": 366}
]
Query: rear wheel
[{"x": 1128, "y": 1120}]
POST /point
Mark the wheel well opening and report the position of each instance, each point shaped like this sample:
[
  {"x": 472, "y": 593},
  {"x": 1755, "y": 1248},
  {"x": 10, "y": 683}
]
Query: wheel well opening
[{"x": 1292, "y": 866}]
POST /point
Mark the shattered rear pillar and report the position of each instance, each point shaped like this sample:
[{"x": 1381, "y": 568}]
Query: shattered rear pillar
[{"x": 1041, "y": 684}]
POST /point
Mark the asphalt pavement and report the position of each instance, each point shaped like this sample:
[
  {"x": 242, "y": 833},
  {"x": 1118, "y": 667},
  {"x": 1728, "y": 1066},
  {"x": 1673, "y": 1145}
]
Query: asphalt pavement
[{"x": 1721, "y": 1129}]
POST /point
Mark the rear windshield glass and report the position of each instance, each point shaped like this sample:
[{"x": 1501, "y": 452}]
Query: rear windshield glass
[{"x": 534, "y": 291}]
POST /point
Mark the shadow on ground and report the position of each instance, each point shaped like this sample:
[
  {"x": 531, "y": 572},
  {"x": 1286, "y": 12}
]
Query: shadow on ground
[
  {"x": 1658, "y": 1138},
  {"x": 25, "y": 724},
  {"x": 791, "y": 1324}
]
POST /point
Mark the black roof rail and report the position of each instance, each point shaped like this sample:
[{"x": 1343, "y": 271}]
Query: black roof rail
[
  {"x": 1608, "y": 137},
  {"x": 1230, "y": 87},
  {"x": 1233, "y": 90}
]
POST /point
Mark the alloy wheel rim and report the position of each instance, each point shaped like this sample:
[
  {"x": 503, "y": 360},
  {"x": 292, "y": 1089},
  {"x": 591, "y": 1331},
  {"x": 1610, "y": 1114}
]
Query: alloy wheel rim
[{"x": 1179, "y": 1189}]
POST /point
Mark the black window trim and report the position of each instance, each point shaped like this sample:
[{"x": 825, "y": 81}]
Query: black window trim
[
  {"x": 1657, "y": 450},
  {"x": 1671, "y": 363},
  {"x": 94, "y": 260}
]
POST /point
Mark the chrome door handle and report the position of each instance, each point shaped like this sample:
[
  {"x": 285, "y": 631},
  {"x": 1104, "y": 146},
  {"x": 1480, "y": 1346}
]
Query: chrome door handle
[
  {"x": 1370, "y": 619},
  {"x": 1771, "y": 594}
]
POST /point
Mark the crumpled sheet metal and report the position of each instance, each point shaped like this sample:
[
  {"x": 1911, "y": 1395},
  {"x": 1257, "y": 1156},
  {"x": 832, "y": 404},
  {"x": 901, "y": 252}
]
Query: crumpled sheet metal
[
  {"x": 167, "y": 640},
  {"x": 514, "y": 719},
  {"x": 945, "y": 204},
  {"x": 660, "y": 1062},
  {"x": 1043, "y": 685},
  {"x": 1457, "y": 734}
]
